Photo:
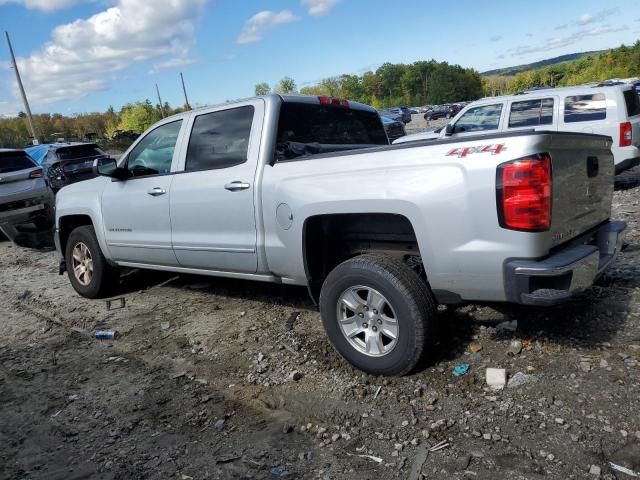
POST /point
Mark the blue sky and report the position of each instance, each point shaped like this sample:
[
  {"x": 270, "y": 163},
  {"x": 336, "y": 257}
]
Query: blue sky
[{"x": 83, "y": 55}]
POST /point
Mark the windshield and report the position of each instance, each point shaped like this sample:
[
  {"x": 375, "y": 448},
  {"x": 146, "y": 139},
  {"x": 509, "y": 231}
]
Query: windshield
[
  {"x": 306, "y": 123},
  {"x": 15, "y": 161},
  {"x": 75, "y": 152}
]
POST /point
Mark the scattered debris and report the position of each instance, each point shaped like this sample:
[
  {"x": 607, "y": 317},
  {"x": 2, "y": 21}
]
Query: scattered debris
[
  {"x": 461, "y": 369},
  {"x": 370, "y": 457},
  {"x": 474, "y": 347},
  {"x": 115, "y": 303},
  {"x": 507, "y": 327},
  {"x": 624, "y": 470},
  {"x": 107, "y": 335},
  {"x": 515, "y": 348},
  {"x": 165, "y": 325},
  {"x": 293, "y": 318},
  {"x": 219, "y": 425},
  {"x": 296, "y": 375},
  {"x": 378, "y": 390},
  {"x": 418, "y": 462},
  {"x": 228, "y": 457},
  {"x": 278, "y": 470},
  {"x": 496, "y": 378},
  {"x": 520, "y": 379},
  {"x": 595, "y": 470}
]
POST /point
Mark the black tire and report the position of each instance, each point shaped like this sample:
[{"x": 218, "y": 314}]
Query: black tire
[
  {"x": 105, "y": 278},
  {"x": 408, "y": 296}
]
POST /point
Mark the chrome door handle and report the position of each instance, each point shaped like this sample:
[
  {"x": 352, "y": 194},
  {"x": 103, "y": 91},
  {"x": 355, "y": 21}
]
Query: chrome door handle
[
  {"x": 155, "y": 191},
  {"x": 237, "y": 185}
]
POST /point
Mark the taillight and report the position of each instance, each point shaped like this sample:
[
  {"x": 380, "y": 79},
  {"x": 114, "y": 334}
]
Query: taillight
[
  {"x": 626, "y": 134},
  {"x": 324, "y": 100},
  {"x": 37, "y": 173},
  {"x": 523, "y": 193}
]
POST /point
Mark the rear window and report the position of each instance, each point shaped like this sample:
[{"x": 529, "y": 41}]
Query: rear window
[
  {"x": 531, "y": 113},
  {"x": 303, "y": 123},
  {"x": 632, "y": 99},
  {"x": 15, "y": 161},
  {"x": 585, "y": 108},
  {"x": 75, "y": 152}
]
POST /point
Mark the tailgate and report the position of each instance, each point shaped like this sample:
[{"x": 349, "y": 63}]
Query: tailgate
[{"x": 582, "y": 185}]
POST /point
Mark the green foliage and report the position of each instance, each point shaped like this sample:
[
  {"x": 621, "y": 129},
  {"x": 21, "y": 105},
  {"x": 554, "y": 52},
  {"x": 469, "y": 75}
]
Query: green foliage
[
  {"x": 622, "y": 62},
  {"x": 262, "y": 88},
  {"x": 137, "y": 117},
  {"x": 286, "y": 85},
  {"x": 398, "y": 84}
]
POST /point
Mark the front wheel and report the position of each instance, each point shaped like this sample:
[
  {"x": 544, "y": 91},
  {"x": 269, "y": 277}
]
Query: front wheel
[
  {"x": 89, "y": 272},
  {"x": 377, "y": 314}
]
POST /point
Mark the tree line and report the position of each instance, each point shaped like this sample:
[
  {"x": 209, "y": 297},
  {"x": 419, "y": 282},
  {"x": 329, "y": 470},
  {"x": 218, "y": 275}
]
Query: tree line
[
  {"x": 418, "y": 83},
  {"x": 96, "y": 126},
  {"x": 621, "y": 62}
]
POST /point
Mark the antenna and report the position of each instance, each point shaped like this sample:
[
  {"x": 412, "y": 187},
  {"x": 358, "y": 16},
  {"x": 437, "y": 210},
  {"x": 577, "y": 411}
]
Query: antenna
[
  {"x": 22, "y": 92},
  {"x": 160, "y": 101},
  {"x": 186, "y": 100}
]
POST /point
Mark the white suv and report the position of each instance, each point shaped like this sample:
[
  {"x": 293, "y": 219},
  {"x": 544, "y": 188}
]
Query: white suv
[{"x": 605, "y": 109}]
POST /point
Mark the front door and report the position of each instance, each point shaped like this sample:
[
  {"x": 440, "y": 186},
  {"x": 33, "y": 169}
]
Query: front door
[
  {"x": 212, "y": 199},
  {"x": 136, "y": 210}
]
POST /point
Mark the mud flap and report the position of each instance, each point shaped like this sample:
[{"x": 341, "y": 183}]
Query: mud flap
[{"x": 29, "y": 236}]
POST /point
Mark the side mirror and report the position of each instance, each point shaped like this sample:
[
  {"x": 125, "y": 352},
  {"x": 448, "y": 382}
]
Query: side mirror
[
  {"x": 448, "y": 130},
  {"x": 107, "y": 167}
]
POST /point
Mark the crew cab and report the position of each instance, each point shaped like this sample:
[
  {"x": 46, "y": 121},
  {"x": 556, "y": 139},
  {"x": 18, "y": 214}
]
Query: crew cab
[
  {"x": 305, "y": 190},
  {"x": 611, "y": 109}
]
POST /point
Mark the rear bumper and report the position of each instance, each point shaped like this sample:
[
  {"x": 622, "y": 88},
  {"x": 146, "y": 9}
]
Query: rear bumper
[
  {"x": 627, "y": 164},
  {"x": 566, "y": 272}
]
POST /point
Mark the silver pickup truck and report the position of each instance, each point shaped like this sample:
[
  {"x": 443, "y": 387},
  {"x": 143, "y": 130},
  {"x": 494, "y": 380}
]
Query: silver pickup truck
[{"x": 306, "y": 190}]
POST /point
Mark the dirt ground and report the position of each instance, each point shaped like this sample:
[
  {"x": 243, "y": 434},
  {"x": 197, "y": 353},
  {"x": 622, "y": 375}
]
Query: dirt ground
[{"x": 214, "y": 378}]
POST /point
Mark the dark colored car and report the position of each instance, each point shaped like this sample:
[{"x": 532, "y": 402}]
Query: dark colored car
[
  {"x": 394, "y": 128},
  {"x": 66, "y": 163},
  {"x": 442, "y": 111},
  {"x": 397, "y": 113}
]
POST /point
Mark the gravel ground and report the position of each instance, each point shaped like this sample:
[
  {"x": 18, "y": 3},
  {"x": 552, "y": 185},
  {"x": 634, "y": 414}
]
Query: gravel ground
[{"x": 227, "y": 379}]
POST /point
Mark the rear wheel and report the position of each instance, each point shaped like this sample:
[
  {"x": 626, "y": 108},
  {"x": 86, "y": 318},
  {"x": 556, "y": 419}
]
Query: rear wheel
[
  {"x": 377, "y": 314},
  {"x": 89, "y": 272}
]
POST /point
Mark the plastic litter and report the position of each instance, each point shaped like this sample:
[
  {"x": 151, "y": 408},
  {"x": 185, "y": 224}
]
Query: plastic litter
[
  {"x": 496, "y": 378},
  {"x": 625, "y": 470},
  {"x": 507, "y": 327},
  {"x": 278, "y": 470},
  {"x": 461, "y": 369}
]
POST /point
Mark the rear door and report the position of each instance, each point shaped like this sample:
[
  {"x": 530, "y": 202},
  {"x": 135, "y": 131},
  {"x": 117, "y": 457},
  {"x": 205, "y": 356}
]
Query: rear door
[
  {"x": 136, "y": 211},
  {"x": 586, "y": 113},
  {"x": 532, "y": 113},
  {"x": 212, "y": 199},
  {"x": 18, "y": 173}
]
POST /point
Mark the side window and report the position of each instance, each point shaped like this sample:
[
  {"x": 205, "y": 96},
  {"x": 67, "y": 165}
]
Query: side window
[
  {"x": 220, "y": 139},
  {"x": 585, "y": 108},
  {"x": 478, "y": 119},
  {"x": 530, "y": 113},
  {"x": 153, "y": 154}
]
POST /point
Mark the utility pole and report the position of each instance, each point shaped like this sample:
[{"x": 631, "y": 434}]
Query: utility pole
[
  {"x": 186, "y": 100},
  {"x": 160, "y": 101},
  {"x": 22, "y": 92}
]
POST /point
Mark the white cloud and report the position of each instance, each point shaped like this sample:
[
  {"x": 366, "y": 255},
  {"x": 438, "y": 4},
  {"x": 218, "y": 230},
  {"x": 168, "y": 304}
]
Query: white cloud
[
  {"x": 559, "y": 42},
  {"x": 319, "y": 7},
  {"x": 45, "y": 5},
  {"x": 171, "y": 63},
  {"x": 588, "y": 18},
  {"x": 83, "y": 56},
  {"x": 255, "y": 28}
]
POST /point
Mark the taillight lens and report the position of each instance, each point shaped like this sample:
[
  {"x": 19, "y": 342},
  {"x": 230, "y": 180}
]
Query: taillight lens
[
  {"x": 37, "y": 173},
  {"x": 626, "y": 134},
  {"x": 337, "y": 102},
  {"x": 523, "y": 193}
]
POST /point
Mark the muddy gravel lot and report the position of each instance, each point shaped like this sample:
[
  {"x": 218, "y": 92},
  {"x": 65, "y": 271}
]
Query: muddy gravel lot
[{"x": 213, "y": 378}]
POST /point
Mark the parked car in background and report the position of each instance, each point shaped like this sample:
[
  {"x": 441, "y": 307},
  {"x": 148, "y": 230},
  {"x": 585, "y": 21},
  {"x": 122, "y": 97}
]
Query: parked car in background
[
  {"x": 402, "y": 113},
  {"x": 66, "y": 163},
  {"x": 124, "y": 135},
  {"x": 607, "y": 109},
  {"x": 24, "y": 194},
  {"x": 442, "y": 111},
  {"x": 394, "y": 128}
]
